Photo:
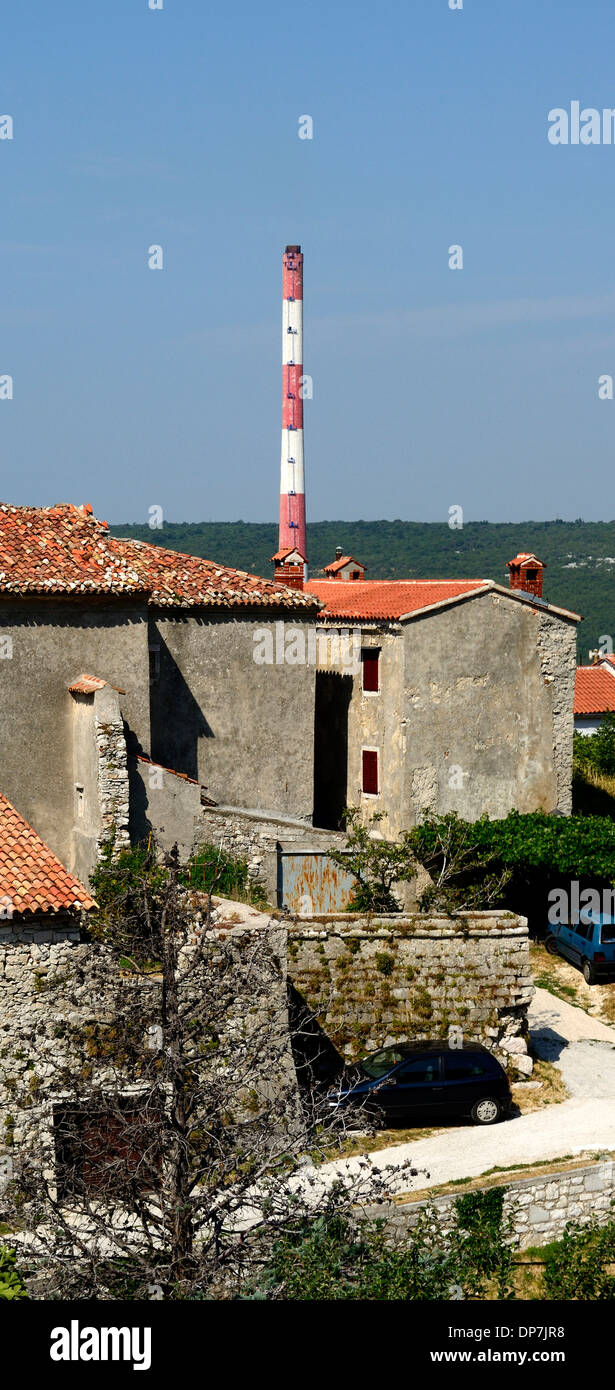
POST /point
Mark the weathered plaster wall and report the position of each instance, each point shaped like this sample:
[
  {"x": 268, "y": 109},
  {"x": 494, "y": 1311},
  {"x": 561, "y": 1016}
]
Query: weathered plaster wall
[
  {"x": 377, "y": 721},
  {"x": 244, "y": 730},
  {"x": 540, "y": 1205},
  {"x": 380, "y": 980},
  {"x": 54, "y": 642},
  {"x": 488, "y": 701},
  {"x": 165, "y": 803},
  {"x": 100, "y": 770}
]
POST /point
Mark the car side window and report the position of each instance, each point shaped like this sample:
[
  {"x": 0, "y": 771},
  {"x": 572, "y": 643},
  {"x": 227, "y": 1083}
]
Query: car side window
[
  {"x": 420, "y": 1069},
  {"x": 465, "y": 1066}
]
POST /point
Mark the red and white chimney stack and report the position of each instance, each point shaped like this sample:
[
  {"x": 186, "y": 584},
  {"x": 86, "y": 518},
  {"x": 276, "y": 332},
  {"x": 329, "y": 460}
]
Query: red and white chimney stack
[{"x": 292, "y": 485}]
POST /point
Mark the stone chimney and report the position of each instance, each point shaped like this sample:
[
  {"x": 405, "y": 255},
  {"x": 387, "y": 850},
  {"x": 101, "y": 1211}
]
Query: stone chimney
[{"x": 526, "y": 574}]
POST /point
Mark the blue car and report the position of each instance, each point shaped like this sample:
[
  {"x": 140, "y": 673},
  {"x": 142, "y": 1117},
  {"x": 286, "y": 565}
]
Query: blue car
[{"x": 588, "y": 943}]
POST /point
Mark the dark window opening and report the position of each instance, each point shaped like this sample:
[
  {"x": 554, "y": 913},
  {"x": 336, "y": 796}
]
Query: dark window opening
[
  {"x": 154, "y": 664},
  {"x": 370, "y": 659},
  {"x": 370, "y": 771},
  {"x": 108, "y": 1151}
]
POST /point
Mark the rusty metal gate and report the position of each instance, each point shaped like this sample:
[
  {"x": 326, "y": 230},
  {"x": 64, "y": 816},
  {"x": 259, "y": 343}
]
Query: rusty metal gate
[{"x": 309, "y": 883}]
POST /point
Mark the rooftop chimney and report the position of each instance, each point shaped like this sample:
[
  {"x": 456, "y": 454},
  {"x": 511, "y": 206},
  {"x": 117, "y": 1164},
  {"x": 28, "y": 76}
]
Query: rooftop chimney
[{"x": 526, "y": 573}]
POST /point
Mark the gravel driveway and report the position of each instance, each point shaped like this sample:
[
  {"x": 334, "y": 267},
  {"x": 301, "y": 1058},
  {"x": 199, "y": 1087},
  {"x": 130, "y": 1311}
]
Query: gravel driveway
[{"x": 581, "y": 1047}]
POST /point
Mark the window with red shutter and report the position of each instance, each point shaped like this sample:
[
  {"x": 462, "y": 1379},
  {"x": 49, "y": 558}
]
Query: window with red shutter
[
  {"x": 371, "y": 672},
  {"x": 370, "y": 771}
]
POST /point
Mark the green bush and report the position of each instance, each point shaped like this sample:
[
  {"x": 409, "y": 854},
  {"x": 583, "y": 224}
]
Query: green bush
[
  {"x": 212, "y": 870},
  {"x": 11, "y": 1283},
  {"x": 335, "y": 1258},
  {"x": 597, "y": 751},
  {"x": 577, "y": 1266}
]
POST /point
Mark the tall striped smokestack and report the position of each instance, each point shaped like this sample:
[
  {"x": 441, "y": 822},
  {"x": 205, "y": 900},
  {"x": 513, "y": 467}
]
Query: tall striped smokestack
[{"x": 292, "y": 487}]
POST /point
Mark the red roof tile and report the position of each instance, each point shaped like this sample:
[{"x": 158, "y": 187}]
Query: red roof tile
[
  {"x": 387, "y": 598},
  {"x": 341, "y": 563},
  {"x": 30, "y": 875},
  {"x": 594, "y": 690},
  {"x": 67, "y": 550},
  {"x": 86, "y": 685}
]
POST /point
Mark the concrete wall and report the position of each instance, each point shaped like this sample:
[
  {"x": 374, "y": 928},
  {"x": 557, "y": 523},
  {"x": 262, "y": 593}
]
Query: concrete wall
[
  {"x": 489, "y": 697},
  {"x": 541, "y": 1205},
  {"x": 376, "y": 981},
  {"x": 242, "y": 729},
  {"x": 54, "y": 642},
  {"x": 165, "y": 803}
]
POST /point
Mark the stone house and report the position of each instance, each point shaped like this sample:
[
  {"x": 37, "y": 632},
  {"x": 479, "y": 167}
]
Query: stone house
[
  {"x": 167, "y": 643},
  {"x": 463, "y": 700}
]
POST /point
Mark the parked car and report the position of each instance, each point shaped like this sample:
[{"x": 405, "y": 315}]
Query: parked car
[
  {"x": 428, "y": 1081},
  {"x": 588, "y": 943}
]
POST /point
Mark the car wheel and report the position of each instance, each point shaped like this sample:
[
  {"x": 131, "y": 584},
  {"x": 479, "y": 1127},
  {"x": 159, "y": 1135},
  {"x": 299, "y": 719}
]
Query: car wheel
[
  {"x": 589, "y": 974},
  {"x": 486, "y": 1111},
  {"x": 551, "y": 946}
]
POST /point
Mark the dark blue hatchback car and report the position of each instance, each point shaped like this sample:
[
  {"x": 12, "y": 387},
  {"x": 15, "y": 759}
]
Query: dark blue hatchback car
[{"x": 428, "y": 1082}]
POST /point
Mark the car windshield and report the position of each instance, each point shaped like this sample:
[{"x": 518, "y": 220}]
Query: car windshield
[{"x": 379, "y": 1063}]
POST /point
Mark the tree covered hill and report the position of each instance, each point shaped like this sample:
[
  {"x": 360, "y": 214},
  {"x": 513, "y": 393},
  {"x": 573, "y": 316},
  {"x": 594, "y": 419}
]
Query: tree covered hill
[{"x": 580, "y": 555}]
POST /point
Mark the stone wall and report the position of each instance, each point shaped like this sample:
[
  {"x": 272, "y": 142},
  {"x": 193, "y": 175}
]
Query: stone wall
[
  {"x": 60, "y": 998},
  {"x": 541, "y": 1205},
  {"x": 375, "y": 981}
]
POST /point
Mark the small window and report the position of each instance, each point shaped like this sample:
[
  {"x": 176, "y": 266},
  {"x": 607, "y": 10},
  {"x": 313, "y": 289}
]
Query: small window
[
  {"x": 356, "y": 574},
  {"x": 531, "y": 575},
  {"x": 370, "y": 663},
  {"x": 154, "y": 665},
  {"x": 79, "y": 800},
  {"x": 370, "y": 771}
]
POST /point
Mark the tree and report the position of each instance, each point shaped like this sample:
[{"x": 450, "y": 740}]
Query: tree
[
  {"x": 181, "y": 1147},
  {"x": 377, "y": 864}
]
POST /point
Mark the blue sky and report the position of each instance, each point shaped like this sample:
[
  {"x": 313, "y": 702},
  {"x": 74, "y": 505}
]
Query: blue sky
[{"x": 432, "y": 387}]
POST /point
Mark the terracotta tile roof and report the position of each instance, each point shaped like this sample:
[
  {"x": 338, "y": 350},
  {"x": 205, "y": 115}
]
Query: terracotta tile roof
[
  {"x": 339, "y": 564},
  {"x": 30, "y": 875},
  {"x": 594, "y": 690},
  {"x": 86, "y": 685},
  {"x": 67, "y": 550},
  {"x": 142, "y": 758},
  {"x": 287, "y": 550},
  {"x": 387, "y": 598}
]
